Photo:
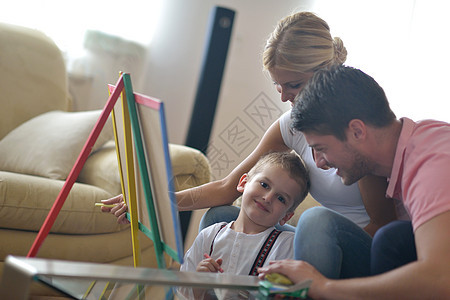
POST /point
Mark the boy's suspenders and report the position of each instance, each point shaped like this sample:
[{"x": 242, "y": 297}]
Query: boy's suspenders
[
  {"x": 212, "y": 244},
  {"x": 263, "y": 252}
]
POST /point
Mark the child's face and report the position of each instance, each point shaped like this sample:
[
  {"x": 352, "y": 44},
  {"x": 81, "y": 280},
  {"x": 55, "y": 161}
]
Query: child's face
[{"x": 268, "y": 196}]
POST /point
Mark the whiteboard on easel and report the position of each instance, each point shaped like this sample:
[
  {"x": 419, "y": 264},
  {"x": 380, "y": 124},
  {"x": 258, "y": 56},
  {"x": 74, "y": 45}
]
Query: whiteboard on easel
[{"x": 152, "y": 171}]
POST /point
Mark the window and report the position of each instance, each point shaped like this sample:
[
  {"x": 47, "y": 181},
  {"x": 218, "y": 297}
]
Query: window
[{"x": 67, "y": 21}]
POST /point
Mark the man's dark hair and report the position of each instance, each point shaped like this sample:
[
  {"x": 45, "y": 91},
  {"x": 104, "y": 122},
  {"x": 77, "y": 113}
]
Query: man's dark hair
[{"x": 335, "y": 96}]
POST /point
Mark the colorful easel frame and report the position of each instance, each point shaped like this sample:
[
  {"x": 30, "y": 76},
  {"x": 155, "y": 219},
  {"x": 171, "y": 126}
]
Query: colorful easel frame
[
  {"x": 166, "y": 238},
  {"x": 155, "y": 208}
]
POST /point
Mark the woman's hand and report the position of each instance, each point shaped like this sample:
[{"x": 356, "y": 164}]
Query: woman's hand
[
  {"x": 119, "y": 209},
  {"x": 297, "y": 271}
]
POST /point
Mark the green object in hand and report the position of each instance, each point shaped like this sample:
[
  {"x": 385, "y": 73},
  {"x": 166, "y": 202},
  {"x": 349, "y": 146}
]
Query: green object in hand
[{"x": 278, "y": 279}]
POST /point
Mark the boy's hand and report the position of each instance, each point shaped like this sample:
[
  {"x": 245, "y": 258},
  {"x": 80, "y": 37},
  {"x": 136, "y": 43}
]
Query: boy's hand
[
  {"x": 119, "y": 209},
  {"x": 210, "y": 265}
]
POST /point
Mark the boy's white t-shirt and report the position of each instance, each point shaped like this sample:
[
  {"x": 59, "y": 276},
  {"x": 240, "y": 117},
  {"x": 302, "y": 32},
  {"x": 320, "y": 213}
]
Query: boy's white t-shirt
[
  {"x": 326, "y": 186},
  {"x": 238, "y": 250}
]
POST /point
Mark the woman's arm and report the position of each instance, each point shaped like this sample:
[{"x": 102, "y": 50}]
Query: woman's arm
[
  {"x": 381, "y": 210},
  {"x": 224, "y": 192}
]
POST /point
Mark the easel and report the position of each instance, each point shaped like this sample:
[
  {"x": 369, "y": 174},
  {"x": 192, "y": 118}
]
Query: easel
[{"x": 134, "y": 146}]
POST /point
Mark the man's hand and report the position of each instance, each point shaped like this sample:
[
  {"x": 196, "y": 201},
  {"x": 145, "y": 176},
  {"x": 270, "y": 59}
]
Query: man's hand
[{"x": 297, "y": 271}]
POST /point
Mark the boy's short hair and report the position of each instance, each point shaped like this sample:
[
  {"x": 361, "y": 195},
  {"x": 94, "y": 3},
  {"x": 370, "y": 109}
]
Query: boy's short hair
[{"x": 290, "y": 162}]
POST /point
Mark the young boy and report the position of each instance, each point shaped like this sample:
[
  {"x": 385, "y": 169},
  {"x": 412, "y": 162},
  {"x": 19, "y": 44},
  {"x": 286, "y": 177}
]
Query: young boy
[{"x": 271, "y": 191}]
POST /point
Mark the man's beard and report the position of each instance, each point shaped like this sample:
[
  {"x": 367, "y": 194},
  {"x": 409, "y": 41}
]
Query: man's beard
[{"x": 359, "y": 168}]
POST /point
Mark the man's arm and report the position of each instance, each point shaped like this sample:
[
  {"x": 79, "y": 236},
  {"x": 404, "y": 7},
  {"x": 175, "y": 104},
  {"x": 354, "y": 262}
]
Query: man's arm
[
  {"x": 381, "y": 210},
  {"x": 427, "y": 278}
]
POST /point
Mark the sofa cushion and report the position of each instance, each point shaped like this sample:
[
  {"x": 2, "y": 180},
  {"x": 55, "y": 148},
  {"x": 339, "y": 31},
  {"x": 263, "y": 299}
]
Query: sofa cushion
[
  {"x": 190, "y": 168},
  {"x": 34, "y": 77},
  {"x": 99, "y": 248},
  {"x": 102, "y": 169},
  {"x": 25, "y": 202},
  {"x": 49, "y": 144}
]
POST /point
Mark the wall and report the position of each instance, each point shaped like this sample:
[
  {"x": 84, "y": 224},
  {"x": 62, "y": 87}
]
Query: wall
[
  {"x": 403, "y": 44},
  {"x": 248, "y": 102},
  {"x": 400, "y": 43},
  {"x": 169, "y": 69}
]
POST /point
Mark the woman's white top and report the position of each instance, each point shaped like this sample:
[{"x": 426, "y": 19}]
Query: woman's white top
[
  {"x": 237, "y": 249},
  {"x": 326, "y": 186}
]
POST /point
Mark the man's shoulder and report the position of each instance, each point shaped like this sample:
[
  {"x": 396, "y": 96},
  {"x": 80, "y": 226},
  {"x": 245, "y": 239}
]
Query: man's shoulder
[
  {"x": 428, "y": 136},
  {"x": 431, "y": 130}
]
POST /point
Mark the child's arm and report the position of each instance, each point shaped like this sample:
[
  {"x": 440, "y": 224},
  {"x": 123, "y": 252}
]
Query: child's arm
[
  {"x": 117, "y": 207},
  {"x": 210, "y": 265}
]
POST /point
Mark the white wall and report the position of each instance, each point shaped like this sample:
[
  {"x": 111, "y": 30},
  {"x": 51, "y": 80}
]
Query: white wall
[
  {"x": 403, "y": 44},
  {"x": 175, "y": 58}
]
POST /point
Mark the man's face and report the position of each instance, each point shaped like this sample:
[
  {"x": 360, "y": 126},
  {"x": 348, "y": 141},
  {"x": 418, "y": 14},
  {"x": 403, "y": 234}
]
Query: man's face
[{"x": 330, "y": 152}]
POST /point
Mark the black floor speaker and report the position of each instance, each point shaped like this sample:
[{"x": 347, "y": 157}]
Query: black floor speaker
[
  {"x": 218, "y": 39},
  {"x": 214, "y": 58}
]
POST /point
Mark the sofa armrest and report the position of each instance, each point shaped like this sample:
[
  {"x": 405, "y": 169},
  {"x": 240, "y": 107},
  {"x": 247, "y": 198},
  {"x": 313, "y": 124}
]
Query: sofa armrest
[{"x": 190, "y": 168}]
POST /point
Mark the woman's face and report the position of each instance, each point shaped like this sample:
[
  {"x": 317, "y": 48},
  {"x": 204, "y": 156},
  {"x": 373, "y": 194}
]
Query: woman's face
[{"x": 289, "y": 83}]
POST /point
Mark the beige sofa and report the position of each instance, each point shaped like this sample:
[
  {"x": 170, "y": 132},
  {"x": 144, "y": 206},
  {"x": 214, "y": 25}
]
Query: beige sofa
[{"x": 40, "y": 140}]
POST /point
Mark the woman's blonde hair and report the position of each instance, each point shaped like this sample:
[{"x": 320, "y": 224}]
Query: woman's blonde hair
[{"x": 302, "y": 42}]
